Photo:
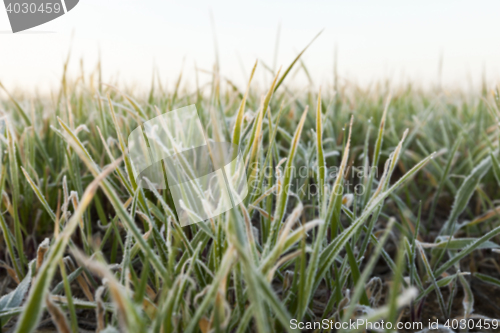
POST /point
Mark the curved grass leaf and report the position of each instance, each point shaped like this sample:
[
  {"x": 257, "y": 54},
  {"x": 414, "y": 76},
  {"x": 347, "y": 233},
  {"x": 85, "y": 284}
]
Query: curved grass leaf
[{"x": 465, "y": 193}]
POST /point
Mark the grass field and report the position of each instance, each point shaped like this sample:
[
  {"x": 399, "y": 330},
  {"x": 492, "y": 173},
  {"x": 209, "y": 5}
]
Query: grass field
[{"x": 395, "y": 217}]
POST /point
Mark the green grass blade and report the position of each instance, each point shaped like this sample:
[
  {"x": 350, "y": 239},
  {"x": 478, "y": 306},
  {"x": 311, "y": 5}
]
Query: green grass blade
[
  {"x": 285, "y": 182},
  {"x": 294, "y": 61},
  {"x": 465, "y": 193}
]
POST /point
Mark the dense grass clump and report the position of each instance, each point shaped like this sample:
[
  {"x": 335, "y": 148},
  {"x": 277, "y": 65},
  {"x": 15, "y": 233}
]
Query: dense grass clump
[{"x": 363, "y": 203}]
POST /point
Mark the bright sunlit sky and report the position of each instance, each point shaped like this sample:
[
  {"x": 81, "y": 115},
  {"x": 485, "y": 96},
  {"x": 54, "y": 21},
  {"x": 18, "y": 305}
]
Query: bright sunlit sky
[{"x": 399, "y": 40}]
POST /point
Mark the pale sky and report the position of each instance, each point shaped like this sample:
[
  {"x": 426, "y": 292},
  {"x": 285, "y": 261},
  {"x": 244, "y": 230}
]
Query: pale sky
[{"x": 400, "y": 40}]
